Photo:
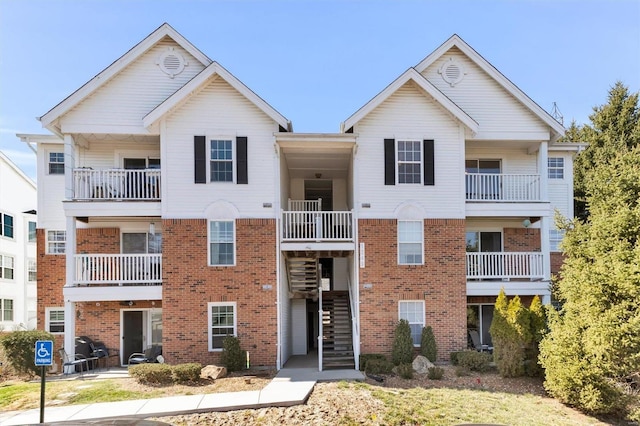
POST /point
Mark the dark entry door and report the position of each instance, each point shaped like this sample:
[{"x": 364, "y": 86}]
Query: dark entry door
[{"x": 132, "y": 334}]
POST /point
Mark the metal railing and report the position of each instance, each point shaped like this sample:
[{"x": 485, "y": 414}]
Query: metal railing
[
  {"x": 354, "y": 322},
  {"x": 502, "y": 187},
  {"x": 504, "y": 265},
  {"x": 116, "y": 184},
  {"x": 318, "y": 226},
  {"x": 118, "y": 269}
]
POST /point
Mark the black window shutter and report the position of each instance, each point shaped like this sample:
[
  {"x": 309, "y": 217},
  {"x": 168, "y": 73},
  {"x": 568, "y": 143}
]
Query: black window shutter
[
  {"x": 200, "y": 159},
  {"x": 429, "y": 171},
  {"x": 242, "y": 174},
  {"x": 389, "y": 162}
]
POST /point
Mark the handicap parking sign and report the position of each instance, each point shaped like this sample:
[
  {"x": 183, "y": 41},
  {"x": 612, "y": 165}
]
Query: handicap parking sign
[{"x": 44, "y": 352}]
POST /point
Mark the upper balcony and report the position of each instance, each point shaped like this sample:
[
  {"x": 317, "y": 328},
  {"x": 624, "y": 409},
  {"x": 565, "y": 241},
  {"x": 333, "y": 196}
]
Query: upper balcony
[
  {"x": 505, "y": 266},
  {"x": 116, "y": 184}
]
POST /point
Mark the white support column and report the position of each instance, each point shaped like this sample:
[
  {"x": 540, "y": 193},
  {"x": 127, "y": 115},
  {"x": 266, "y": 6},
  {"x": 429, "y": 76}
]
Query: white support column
[
  {"x": 70, "y": 332},
  {"x": 545, "y": 246},
  {"x": 543, "y": 165},
  {"x": 69, "y": 165},
  {"x": 70, "y": 307}
]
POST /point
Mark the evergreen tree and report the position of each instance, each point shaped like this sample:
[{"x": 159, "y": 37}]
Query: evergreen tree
[
  {"x": 428, "y": 347},
  {"x": 402, "y": 350}
]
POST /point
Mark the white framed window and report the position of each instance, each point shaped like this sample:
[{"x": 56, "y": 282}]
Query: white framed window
[
  {"x": 409, "y": 155},
  {"x": 56, "y": 242},
  {"x": 413, "y": 312},
  {"x": 6, "y": 306},
  {"x": 222, "y": 243},
  {"x": 221, "y": 160},
  {"x": 6, "y": 225},
  {"x": 222, "y": 323},
  {"x": 555, "y": 167},
  {"x": 54, "y": 319},
  {"x": 32, "y": 269},
  {"x": 410, "y": 242},
  {"x": 32, "y": 232},
  {"x": 555, "y": 237},
  {"x": 7, "y": 264},
  {"x": 56, "y": 163}
]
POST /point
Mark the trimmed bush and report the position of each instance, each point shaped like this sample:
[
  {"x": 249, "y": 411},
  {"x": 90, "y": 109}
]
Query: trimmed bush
[
  {"x": 453, "y": 357},
  {"x": 428, "y": 347},
  {"x": 364, "y": 358},
  {"x": 435, "y": 373},
  {"x": 474, "y": 361},
  {"x": 379, "y": 366},
  {"x": 405, "y": 371},
  {"x": 152, "y": 374},
  {"x": 461, "y": 371},
  {"x": 19, "y": 349},
  {"x": 232, "y": 356},
  {"x": 186, "y": 373},
  {"x": 402, "y": 351}
]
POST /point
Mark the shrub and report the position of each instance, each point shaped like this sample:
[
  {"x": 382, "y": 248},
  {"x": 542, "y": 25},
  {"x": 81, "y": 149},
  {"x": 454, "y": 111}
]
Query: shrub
[
  {"x": 233, "y": 358},
  {"x": 461, "y": 371},
  {"x": 474, "y": 361},
  {"x": 428, "y": 347},
  {"x": 364, "y": 358},
  {"x": 453, "y": 357},
  {"x": 405, "y": 371},
  {"x": 378, "y": 366},
  {"x": 435, "y": 373},
  {"x": 19, "y": 349},
  {"x": 402, "y": 351},
  {"x": 511, "y": 333},
  {"x": 153, "y": 374},
  {"x": 185, "y": 373}
]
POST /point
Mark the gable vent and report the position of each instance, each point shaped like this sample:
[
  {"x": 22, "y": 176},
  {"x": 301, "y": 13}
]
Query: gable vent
[
  {"x": 452, "y": 72},
  {"x": 171, "y": 62}
]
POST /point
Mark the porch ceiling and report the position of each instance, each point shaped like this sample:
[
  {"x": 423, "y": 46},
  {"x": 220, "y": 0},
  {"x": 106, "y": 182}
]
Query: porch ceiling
[
  {"x": 307, "y": 163},
  {"x": 318, "y": 254}
]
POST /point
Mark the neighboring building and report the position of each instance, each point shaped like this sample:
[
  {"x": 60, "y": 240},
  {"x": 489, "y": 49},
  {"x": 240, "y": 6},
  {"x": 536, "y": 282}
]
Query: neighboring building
[
  {"x": 17, "y": 248},
  {"x": 178, "y": 207}
]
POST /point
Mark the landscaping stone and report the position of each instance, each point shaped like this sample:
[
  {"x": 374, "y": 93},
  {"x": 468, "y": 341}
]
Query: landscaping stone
[
  {"x": 213, "y": 372},
  {"x": 421, "y": 364}
]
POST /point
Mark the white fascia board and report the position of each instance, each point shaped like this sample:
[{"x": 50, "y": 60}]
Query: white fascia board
[
  {"x": 511, "y": 288},
  {"x": 295, "y": 140},
  {"x": 76, "y": 128},
  {"x": 35, "y": 138},
  {"x": 109, "y": 293},
  {"x": 411, "y": 74},
  {"x": 493, "y": 72},
  {"x": 112, "y": 70},
  {"x": 568, "y": 146},
  {"x": 196, "y": 83}
]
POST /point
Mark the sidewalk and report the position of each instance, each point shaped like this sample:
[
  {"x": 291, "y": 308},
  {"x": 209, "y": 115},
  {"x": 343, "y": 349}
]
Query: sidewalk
[{"x": 291, "y": 386}]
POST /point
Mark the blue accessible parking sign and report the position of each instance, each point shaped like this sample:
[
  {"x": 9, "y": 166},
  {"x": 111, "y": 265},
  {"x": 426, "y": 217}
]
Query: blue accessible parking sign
[{"x": 44, "y": 352}]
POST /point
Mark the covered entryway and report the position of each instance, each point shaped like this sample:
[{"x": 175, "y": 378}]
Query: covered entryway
[{"x": 140, "y": 329}]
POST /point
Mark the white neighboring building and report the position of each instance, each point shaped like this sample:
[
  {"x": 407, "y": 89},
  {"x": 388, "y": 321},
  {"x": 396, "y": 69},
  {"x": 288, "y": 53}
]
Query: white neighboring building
[{"x": 18, "y": 199}]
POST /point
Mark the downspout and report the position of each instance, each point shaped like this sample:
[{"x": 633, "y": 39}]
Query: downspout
[{"x": 277, "y": 216}]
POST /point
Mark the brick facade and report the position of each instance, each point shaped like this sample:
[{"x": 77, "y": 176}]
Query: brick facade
[
  {"x": 521, "y": 239},
  {"x": 557, "y": 259},
  {"x": 189, "y": 284},
  {"x": 440, "y": 282}
]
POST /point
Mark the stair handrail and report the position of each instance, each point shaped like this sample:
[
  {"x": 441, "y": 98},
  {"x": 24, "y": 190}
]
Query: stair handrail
[
  {"x": 354, "y": 323},
  {"x": 320, "y": 331}
]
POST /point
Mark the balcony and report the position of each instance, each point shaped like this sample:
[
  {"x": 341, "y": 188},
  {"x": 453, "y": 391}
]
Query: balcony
[
  {"x": 317, "y": 226},
  {"x": 505, "y": 266},
  {"x": 490, "y": 187},
  {"x": 118, "y": 270},
  {"x": 116, "y": 184}
]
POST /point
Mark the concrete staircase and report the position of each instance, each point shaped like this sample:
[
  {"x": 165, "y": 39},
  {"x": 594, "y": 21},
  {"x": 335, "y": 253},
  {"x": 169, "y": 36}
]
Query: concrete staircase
[{"x": 337, "y": 336}]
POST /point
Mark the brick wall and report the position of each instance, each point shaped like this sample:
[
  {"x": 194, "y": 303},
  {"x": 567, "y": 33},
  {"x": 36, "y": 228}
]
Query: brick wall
[
  {"x": 50, "y": 279},
  {"x": 440, "y": 282},
  {"x": 557, "y": 259},
  {"x": 521, "y": 239},
  {"x": 189, "y": 284}
]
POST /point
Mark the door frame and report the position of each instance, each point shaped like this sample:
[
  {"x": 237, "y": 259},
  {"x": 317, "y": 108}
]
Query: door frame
[{"x": 146, "y": 329}]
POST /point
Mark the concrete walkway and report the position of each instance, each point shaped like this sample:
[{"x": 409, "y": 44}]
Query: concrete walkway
[{"x": 291, "y": 386}]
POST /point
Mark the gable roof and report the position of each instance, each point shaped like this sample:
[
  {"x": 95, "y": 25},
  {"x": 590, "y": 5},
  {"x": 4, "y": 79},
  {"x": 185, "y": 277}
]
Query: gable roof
[
  {"x": 165, "y": 30},
  {"x": 17, "y": 170},
  {"x": 412, "y": 75},
  {"x": 193, "y": 86},
  {"x": 456, "y": 41}
]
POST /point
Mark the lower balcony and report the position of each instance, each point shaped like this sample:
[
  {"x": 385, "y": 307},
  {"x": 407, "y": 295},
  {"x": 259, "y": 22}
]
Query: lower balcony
[
  {"x": 505, "y": 266},
  {"x": 317, "y": 226}
]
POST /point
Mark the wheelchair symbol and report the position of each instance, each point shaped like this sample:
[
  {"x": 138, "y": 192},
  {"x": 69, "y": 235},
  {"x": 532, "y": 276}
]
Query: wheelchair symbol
[{"x": 42, "y": 351}]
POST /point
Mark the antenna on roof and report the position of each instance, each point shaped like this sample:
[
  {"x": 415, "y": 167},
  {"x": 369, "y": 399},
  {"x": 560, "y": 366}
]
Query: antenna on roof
[{"x": 557, "y": 114}]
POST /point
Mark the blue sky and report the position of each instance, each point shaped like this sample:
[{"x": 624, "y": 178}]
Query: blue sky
[{"x": 317, "y": 62}]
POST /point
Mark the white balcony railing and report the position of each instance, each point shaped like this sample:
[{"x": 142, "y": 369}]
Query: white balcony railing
[
  {"x": 118, "y": 269},
  {"x": 502, "y": 187},
  {"x": 317, "y": 226},
  {"x": 116, "y": 184},
  {"x": 527, "y": 265}
]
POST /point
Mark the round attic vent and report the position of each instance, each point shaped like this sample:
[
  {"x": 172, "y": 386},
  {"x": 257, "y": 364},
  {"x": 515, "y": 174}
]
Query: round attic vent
[
  {"x": 452, "y": 72},
  {"x": 171, "y": 62}
]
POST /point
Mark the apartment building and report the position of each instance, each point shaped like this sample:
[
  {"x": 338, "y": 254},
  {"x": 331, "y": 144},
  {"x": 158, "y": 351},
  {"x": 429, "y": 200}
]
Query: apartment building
[{"x": 188, "y": 209}]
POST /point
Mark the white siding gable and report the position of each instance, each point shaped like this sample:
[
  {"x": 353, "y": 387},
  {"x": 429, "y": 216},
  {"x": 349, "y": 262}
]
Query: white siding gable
[{"x": 133, "y": 93}]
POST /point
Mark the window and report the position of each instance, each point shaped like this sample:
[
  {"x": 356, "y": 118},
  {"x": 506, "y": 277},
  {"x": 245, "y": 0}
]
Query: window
[
  {"x": 56, "y": 242},
  {"x": 6, "y": 225},
  {"x": 479, "y": 318},
  {"x": 32, "y": 270},
  {"x": 221, "y": 161},
  {"x": 222, "y": 323},
  {"x": 32, "y": 232},
  {"x": 55, "y": 320},
  {"x": 555, "y": 238},
  {"x": 556, "y": 167},
  {"x": 6, "y": 306},
  {"x": 410, "y": 242},
  {"x": 221, "y": 243},
  {"x": 409, "y": 162},
  {"x": 56, "y": 163},
  {"x": 6, "y": 267},
  {"x": 413, "y": 312}
]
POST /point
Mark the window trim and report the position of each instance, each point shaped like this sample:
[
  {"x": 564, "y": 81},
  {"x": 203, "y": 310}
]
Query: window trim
[
  {"x": 50, "y": 163},
  {"x": 233, "y": 161},
  {"x": 399, "y": 243},
  {"x": 3, "y": 310},
  {"x": 419, "y": 301},
  {"x": 31, "y": 261},
  {"x": 420, "y": 162},
  {"x": 49, "y": 242},
  {"x": 554, "y": 243},
  {"x": 555, "y": 172},
  {"x": 32, "y": 237},
  {"x": 209, "y": 242},
  {"x": 3, "y": 267},
  {"x": 47, "y": 318},
  {"x": 210, "y": 323},
  {"x": 3, "y": 220}
]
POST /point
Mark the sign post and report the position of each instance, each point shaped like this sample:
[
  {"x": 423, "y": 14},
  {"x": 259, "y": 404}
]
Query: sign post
[{"x": 43, "y": 358}]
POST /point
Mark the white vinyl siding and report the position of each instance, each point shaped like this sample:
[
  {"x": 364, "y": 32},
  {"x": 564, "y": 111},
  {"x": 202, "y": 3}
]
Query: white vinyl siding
[
  {"x": 410, "y": 242},
  {"x": 413, "y": 312},
  {"x": 222, "y": 323}
]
